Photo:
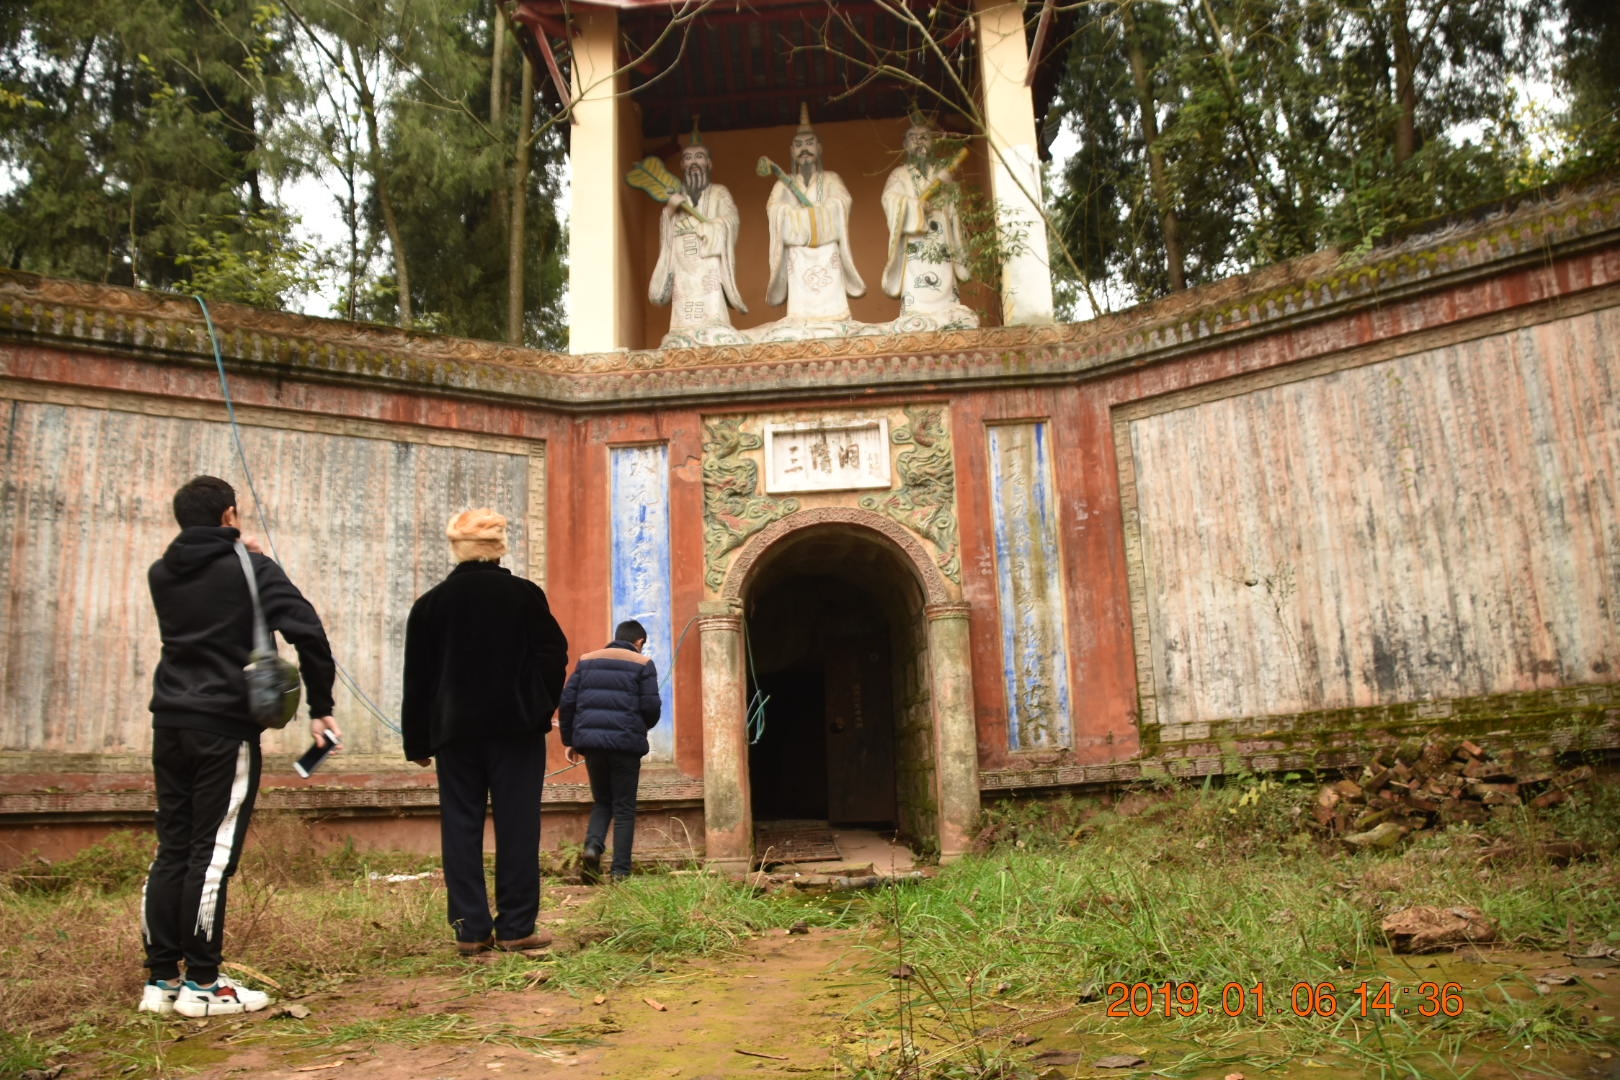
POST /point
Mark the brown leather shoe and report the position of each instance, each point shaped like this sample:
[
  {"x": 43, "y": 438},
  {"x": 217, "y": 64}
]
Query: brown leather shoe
[
  {"x": 537, "y": 940},
  {"x": 473, "y": 948}
]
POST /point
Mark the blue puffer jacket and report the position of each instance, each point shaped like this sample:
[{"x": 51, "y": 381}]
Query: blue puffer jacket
[{"x": 611, "y": 700}]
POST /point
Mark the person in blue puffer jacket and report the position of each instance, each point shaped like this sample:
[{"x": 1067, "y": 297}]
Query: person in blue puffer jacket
[{"x": 608, "y": 705}]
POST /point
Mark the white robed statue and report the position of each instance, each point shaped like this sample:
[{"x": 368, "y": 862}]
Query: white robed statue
[
  {"x": 811, "y": 265},
  {"x": 926, "y": 249},
  {"x": 696, "y": 273}
]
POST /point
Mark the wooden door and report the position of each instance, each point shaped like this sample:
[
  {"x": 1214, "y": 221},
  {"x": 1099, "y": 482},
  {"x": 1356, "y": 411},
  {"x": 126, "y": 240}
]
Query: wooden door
[{"x": 860, "y": 730}]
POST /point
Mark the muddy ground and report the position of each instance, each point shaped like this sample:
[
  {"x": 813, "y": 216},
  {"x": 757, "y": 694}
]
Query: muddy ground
[{"x": 790, "y": 1005}]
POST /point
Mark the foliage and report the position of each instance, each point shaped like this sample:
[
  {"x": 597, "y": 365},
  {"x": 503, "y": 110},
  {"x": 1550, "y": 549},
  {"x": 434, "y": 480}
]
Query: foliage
[
  {"x": 449, "y": 164},
  {"x": 129, "y": 129},
  {"x": 115, "y": 862},
  {"x": 253, "y": 259},
  {"x": 21, "y": 1053},
  {"x": 1281, "y": 127},
  {"x": 141, "y": 144},
  {"x": 1589, "y": 65},
  {"x": 1591, "y": 818},
  {"x": 423, "y": 68}
]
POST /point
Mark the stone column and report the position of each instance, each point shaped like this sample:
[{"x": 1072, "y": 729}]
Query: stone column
[
  {"x": 1015, "y": 166},
  {"x": 598, "y": 253},
  {"x": 956, "y": 738},
  {"x": 728, "y": 819}
]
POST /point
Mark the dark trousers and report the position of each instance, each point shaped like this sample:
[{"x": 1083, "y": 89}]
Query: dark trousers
[
  {"x": 206, "y": 785},
  {"x": 506, "y": 774},
  {"x": 615, "y": 776}
]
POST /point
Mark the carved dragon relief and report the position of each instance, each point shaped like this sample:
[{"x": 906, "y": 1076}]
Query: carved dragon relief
[
  {"x": 733, "y": 509},
  {"x": 925, "y": 501}
]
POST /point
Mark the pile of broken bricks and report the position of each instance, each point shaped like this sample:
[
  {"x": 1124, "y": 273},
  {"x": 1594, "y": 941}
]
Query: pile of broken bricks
[{"x": 1439, "y": 781}]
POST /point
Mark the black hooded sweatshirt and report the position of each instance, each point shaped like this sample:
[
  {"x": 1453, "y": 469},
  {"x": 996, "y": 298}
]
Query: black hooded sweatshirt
[{"x": 205, "y": 616}]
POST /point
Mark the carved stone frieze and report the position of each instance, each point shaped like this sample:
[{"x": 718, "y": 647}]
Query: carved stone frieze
[
  {"x": 733, "y": 508},
  {"x": 925, "y": 501}
]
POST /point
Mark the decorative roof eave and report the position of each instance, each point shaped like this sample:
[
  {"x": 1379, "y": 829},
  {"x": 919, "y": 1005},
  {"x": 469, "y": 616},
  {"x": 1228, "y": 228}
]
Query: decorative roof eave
[{"x": 167, "y": 327}]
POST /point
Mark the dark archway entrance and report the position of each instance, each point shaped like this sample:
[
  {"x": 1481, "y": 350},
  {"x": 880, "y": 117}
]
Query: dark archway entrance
[
  {"x": 826, "y": 747},
  {"x": 834, "y": 621}
]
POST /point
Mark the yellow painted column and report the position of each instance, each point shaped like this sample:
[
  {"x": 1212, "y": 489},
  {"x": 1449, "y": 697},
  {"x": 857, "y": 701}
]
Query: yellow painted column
[
  {"x": 1015, "y": 172},
  {"x": 598, "y": 251}
]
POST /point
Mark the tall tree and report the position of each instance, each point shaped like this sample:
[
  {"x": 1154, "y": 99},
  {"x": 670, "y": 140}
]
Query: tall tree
[
  {"x": 465, "y": 183},
  {"x": 1589, "y": 62},
  {"x": 1148, "y": 110},
  {"x": 133, "y": 130},
  {"x": 1257, "y": 130},
  {"x": 361, "y": 44}
]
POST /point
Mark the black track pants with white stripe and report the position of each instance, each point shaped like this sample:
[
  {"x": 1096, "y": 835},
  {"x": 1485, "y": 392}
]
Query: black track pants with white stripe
[{"x": 206, "y": 785}]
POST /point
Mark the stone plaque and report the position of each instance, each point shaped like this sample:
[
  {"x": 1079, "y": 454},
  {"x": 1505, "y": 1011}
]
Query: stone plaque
[{"x": 832, "y": 454}]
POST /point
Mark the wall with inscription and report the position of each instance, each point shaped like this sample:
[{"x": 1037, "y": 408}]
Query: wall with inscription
[
  {"x": 826, "y": 454},
  {"x": 1029, "y": 585},
  {"x": 758, "y": 470},
  {"x": 1439, "y": 525},
  {"x": 1257, "y": 524},
  {"x": 85, "y": 507},
  {"x": 641, "y": 577}
]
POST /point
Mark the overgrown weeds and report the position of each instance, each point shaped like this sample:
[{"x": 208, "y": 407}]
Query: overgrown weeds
[
  {"x": 1182, "y": 922},
  {"x": 70, "y": 931},
  {"x": 1175, "y": 917}
]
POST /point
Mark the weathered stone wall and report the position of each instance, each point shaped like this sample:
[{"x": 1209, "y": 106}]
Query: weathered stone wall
[
  {"x": 1412, "y": 457},
  {"x": 86, "y": 508},
  {"x": 1431, "y": 526}
]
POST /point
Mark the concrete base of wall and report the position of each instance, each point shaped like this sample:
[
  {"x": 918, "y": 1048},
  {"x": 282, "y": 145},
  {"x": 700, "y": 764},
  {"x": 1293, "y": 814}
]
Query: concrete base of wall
[{"x": 663, "y": 835}]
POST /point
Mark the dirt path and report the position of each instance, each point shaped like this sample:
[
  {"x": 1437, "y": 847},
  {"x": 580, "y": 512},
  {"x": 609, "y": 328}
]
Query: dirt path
[
  {"x": 779, "y": 1009},
  {"x": 788, "y": 1005}
]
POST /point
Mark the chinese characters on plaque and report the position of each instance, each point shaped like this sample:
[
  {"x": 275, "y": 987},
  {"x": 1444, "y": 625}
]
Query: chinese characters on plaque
[{"x": 827, "y": 455}]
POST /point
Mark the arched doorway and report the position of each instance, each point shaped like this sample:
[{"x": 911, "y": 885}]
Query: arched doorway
[{"x": 849, "y": 622}]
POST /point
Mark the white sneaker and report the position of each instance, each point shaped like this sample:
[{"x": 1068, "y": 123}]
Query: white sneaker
[
  {"x": 158, "y": 996},
  {"x": 222, "y": 999}
]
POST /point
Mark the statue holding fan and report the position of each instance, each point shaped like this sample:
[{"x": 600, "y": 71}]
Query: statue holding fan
[
  {"x": 696, "y": 273},
  {"x": 926, "y": 249},
  {"x": 811, "y": 266}
]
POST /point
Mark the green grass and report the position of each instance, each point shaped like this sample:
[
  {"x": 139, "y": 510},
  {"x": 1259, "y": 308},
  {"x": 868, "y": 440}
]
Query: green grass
[
  {"x": 650, "y": 921},
  {"x": 1199, "y": 887},
  {"x": 421, "y": 1030},
  {"x": 1224, "y": 886}
]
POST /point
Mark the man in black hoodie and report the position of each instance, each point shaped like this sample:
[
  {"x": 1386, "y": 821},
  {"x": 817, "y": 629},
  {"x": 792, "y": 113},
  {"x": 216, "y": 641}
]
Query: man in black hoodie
[{"x": 205, "y": 744}]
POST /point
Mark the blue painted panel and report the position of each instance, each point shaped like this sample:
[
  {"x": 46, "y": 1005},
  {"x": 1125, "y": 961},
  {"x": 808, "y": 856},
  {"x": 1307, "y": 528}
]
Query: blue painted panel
[
  {"x": 1029, "y": 582},
  {"x": 639, "y": 505}
]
